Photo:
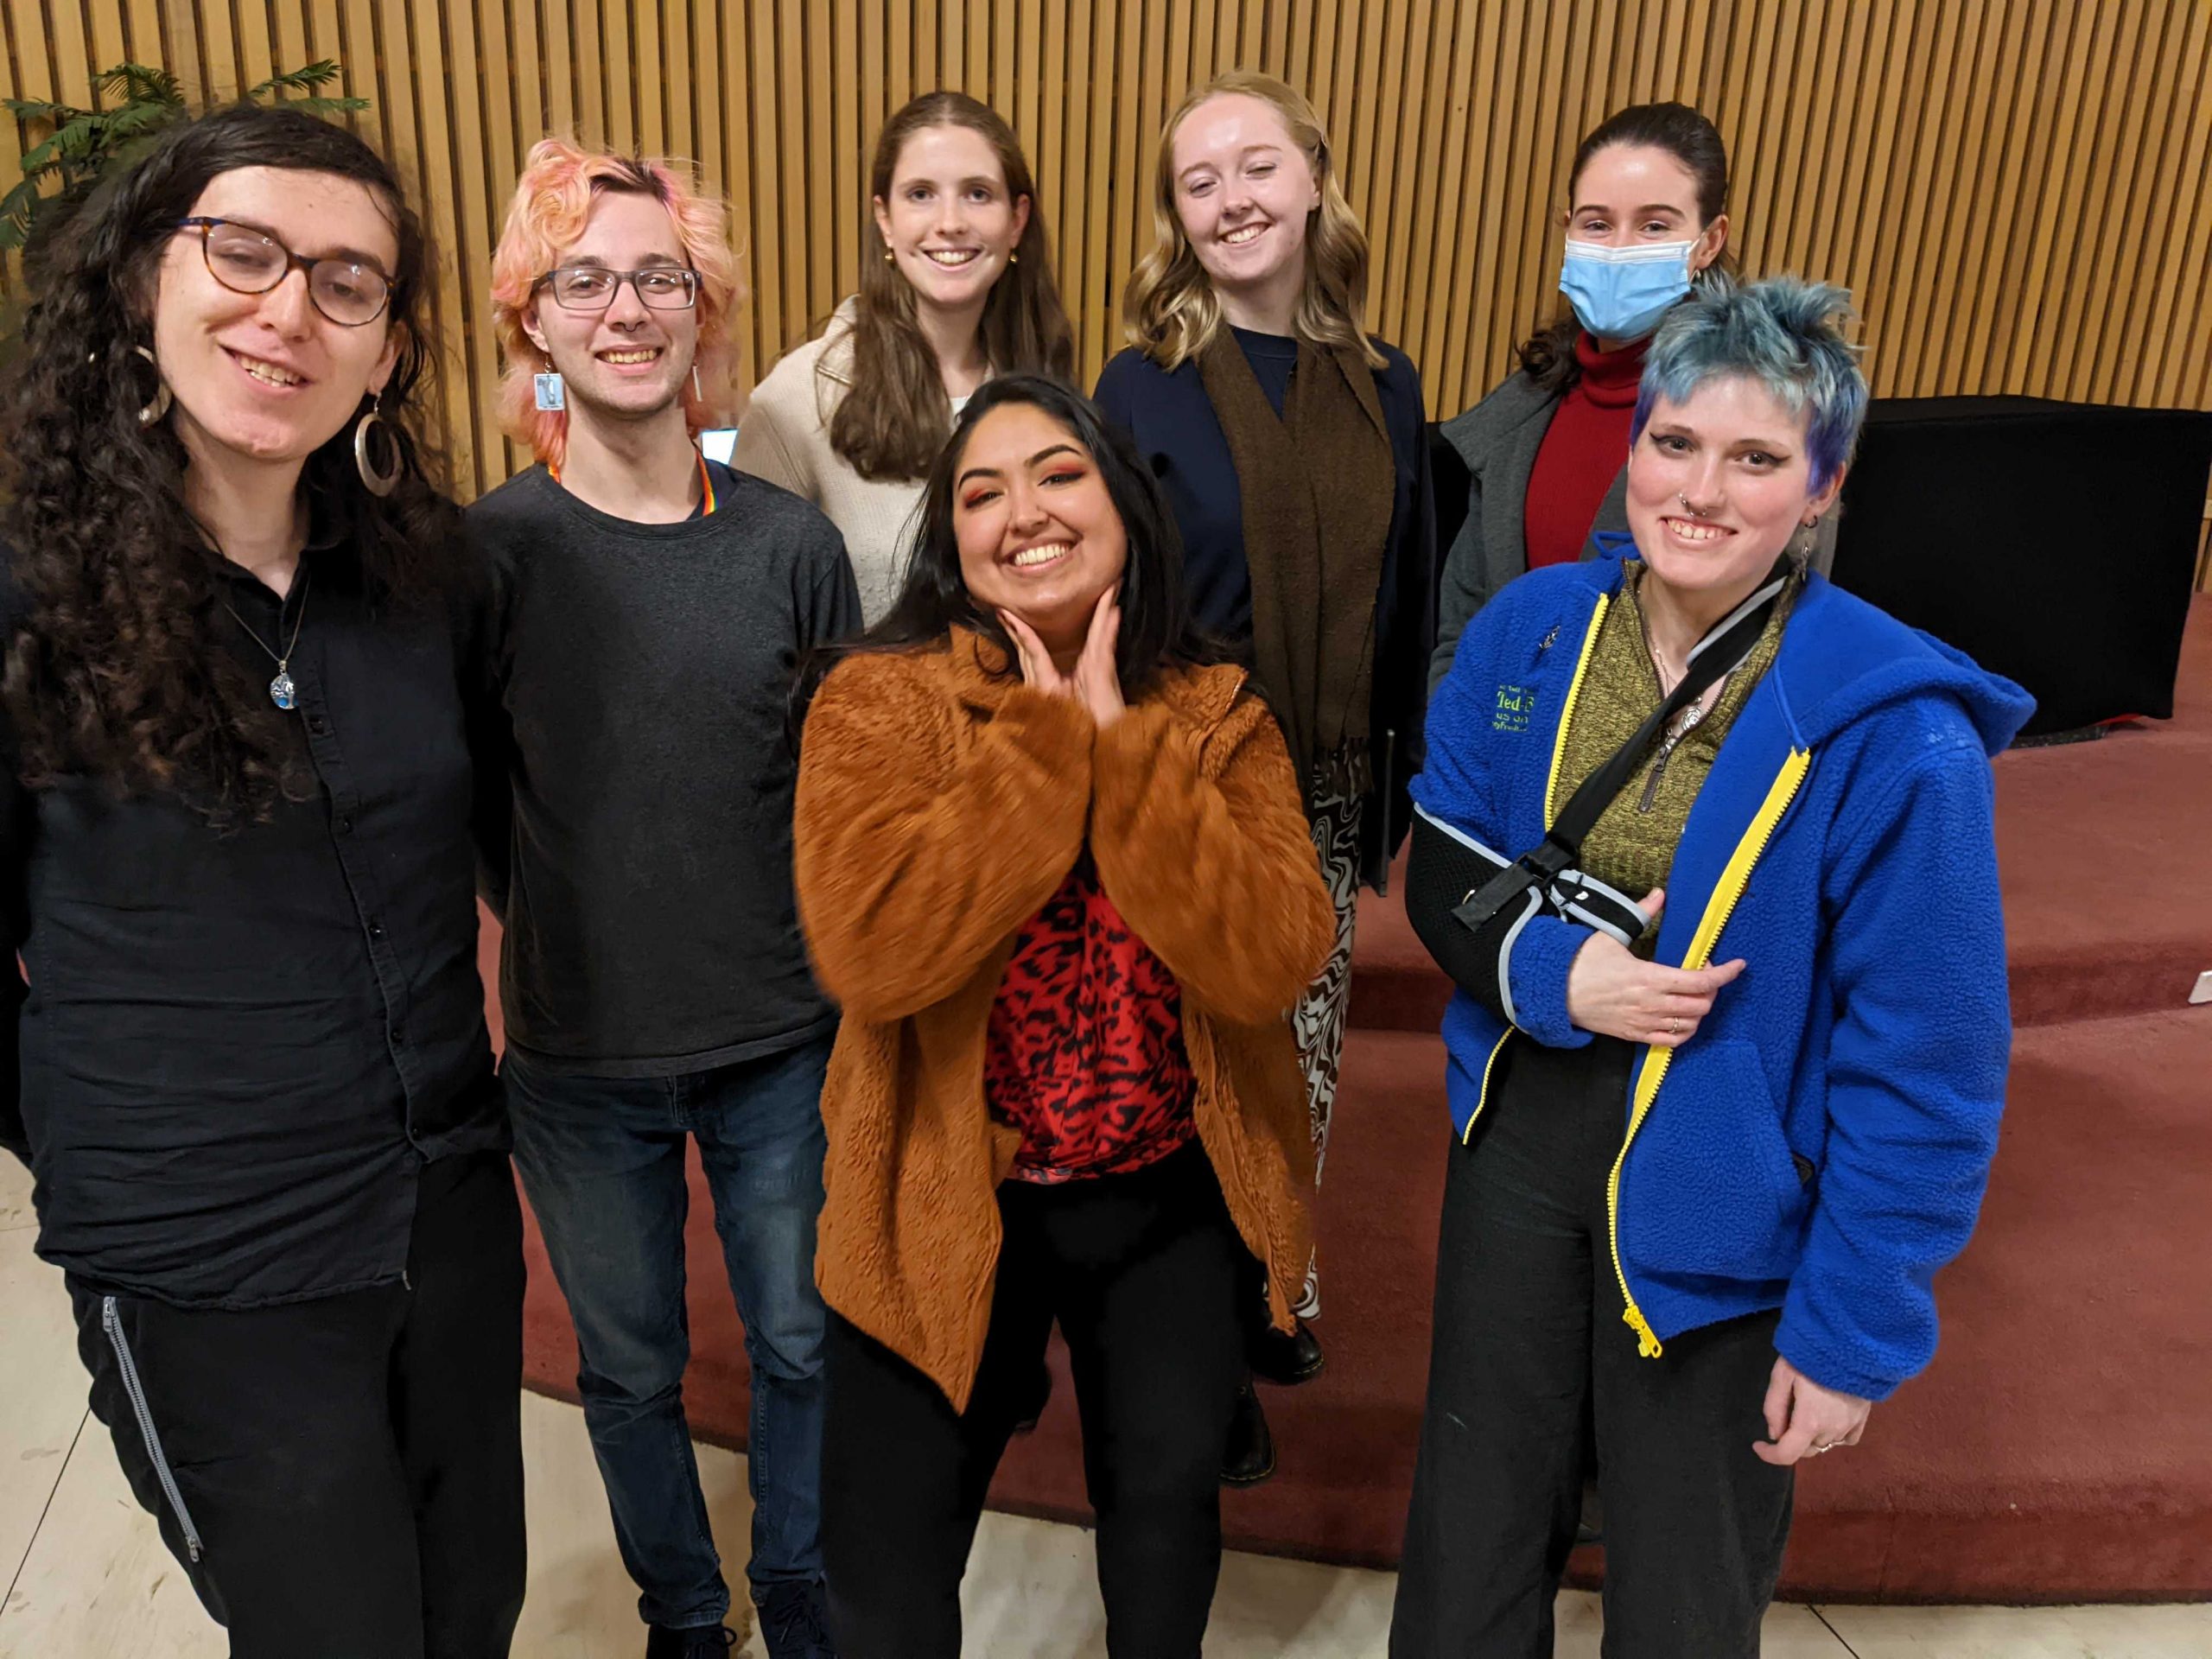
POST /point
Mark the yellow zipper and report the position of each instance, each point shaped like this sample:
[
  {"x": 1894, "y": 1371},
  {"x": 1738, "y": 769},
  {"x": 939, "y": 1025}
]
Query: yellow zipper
[
  {"x": 1567, "y": 713},
  {"x": 1734, "y": 877},
  {"x": 1482, "y": 1099}
]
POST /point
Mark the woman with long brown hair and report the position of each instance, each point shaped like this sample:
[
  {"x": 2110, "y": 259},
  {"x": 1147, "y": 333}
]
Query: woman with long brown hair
[
  {"x": 956, "y": 287},
  {"x": 1293, "y": 447},
  {"x": 251, "y": 1069}
]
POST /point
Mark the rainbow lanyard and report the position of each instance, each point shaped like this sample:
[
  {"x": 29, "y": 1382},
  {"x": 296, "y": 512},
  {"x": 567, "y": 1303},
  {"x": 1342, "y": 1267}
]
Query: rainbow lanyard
[{"x": 706, "y": 484}]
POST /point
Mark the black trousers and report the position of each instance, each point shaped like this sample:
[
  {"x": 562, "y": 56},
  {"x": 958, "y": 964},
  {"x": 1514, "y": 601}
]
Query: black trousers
[
  {"x": 341, "y": 1479},
  {"x": 1534, "y": 1377},
  {"x": 1144, "y": 1272}
]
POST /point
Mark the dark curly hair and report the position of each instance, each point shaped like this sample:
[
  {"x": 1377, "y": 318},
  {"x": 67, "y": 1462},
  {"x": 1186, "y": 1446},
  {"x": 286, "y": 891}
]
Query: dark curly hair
[{"x": 113, "y": 670}]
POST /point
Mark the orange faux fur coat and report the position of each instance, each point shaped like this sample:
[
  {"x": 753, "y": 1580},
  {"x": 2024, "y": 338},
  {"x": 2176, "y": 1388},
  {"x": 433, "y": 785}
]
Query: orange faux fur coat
[{"x": 941, "y": 802}]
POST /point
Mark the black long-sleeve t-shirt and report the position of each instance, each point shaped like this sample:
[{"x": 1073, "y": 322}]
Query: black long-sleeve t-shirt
[
  {"x": 652, "y": 926},
  {"x": 237, "y": 1049}
]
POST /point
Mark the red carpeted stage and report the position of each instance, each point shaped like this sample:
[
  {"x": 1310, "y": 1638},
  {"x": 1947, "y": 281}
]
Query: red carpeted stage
[{"x": 2060, "y": 1447}]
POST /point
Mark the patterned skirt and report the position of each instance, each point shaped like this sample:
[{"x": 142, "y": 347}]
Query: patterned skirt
[{"x": 1318, "y": 1020}]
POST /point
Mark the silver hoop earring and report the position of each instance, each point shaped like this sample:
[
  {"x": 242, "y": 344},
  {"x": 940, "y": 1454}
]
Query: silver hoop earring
[
  {"x": 697, "y": 395},
  {"x": 152, "y": 412},
  {"x": 376, "y": 482}
]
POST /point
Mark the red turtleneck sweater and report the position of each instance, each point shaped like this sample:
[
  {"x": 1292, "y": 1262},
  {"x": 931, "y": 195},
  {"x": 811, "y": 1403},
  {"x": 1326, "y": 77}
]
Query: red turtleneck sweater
[{"x": 1582, "y": 452}]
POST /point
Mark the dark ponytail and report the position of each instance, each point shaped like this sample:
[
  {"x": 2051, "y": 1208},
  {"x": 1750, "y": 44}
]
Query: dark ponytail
[{"x": 1549, "y": 358}]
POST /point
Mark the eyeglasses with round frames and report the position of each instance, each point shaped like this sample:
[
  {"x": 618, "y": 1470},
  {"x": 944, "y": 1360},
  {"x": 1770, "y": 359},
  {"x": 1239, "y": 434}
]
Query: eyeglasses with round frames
[
  {"x": 593, "y": 288},
  {"x": 248, "y": 260}
]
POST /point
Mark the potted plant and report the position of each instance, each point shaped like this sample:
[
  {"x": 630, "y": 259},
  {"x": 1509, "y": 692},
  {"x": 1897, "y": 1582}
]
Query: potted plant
[{"x": 80, "y": 145}]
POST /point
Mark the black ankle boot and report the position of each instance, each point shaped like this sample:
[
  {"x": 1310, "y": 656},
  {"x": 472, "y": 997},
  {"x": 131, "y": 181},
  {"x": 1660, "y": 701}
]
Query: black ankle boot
[
  {"x": 1286, "y": 1357},
  {"x": 1250, "y": 1458}
]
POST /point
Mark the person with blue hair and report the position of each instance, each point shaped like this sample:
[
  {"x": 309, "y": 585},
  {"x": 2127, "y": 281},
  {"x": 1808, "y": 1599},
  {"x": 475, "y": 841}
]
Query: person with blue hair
[{"x": 1711, "y": 1144}]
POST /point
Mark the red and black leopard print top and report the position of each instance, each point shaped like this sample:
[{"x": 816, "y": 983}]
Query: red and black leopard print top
[{"x": 1085, "y": 1051}]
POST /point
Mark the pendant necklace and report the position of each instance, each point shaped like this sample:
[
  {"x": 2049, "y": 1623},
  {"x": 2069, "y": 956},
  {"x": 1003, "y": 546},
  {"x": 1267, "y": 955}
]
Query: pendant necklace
[
  {"x": 281, "y": 691},
  {"x": 1683, "y": 723}
]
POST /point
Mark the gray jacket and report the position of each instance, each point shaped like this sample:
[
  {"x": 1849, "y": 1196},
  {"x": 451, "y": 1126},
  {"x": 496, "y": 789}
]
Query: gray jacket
[{"x": 1498, "y": 439}]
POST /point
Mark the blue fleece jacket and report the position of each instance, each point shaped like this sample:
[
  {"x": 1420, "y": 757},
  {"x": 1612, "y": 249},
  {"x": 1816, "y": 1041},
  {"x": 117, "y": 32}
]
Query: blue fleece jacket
[{"x": 1822, "y": 1142}]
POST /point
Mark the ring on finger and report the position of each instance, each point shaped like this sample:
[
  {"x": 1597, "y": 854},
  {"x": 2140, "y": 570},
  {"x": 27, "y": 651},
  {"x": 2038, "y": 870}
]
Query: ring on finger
[{"x": 1674, "y": 1028}]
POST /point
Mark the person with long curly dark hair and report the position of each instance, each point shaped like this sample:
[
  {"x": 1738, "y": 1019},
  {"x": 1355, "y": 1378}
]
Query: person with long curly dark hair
[{"x": 250, "y": 1068}]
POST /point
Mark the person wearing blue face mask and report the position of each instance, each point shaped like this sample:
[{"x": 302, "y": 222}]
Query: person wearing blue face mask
[{"x": 1546, "y": 451}]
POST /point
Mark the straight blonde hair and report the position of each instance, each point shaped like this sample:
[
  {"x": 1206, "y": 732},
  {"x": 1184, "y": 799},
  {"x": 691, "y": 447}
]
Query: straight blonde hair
[{"x": 1172, "y": 313}]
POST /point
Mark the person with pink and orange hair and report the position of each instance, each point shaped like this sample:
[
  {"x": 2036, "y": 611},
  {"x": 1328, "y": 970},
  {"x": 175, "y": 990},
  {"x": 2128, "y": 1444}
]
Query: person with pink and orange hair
[
  {"x": 562, "y": 185},
  {"x": 649, "y": 605}
]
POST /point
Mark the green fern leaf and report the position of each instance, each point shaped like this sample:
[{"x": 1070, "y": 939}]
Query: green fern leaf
[
  {"x": 38, "y": 110},
  {"x": 305, "y": 79},
  {"x": 134, "y": 119}
]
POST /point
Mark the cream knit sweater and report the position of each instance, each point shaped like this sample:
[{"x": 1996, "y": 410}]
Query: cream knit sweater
[{"x": 785, "y": 438}]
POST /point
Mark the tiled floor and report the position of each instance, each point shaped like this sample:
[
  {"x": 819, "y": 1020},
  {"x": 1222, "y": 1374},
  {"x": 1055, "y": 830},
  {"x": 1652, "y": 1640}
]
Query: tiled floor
[{"x": 87, "y": 1577}]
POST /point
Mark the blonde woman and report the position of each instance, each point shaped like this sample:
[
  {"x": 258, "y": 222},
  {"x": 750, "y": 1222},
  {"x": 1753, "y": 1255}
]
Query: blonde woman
[
  {"x": 1292, "y": 449},
  {"x": 956, "y": 286}
]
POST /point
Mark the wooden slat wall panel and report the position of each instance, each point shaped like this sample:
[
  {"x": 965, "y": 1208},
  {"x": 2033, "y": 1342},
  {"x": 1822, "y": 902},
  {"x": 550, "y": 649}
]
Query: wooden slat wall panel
[{"x": 2019, "y": 192}]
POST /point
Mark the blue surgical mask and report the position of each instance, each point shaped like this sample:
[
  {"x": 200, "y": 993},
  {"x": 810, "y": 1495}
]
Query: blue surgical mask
[{"x": 1621, "y": 293}]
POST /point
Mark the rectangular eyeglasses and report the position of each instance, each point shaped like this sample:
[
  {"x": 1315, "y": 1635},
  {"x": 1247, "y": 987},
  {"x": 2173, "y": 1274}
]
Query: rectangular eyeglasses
[{"x": 246, "y": 259}]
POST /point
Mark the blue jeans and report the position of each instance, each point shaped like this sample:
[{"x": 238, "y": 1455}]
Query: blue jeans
[{"x": 602, "y": 1161}]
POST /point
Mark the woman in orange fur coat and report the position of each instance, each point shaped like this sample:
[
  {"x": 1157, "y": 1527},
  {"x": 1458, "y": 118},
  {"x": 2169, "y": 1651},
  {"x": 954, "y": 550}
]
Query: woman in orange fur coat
[{"x": 1051, "y": 860}]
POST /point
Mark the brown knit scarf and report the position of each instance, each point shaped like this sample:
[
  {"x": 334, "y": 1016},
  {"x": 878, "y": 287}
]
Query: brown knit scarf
[{"x": 1318, "y": 485}]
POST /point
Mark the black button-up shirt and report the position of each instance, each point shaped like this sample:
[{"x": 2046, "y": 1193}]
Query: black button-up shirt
[{"x": 237, "y": 1050}]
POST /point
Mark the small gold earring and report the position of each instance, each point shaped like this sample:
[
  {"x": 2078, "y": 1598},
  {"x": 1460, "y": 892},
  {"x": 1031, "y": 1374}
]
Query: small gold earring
[
  {"x": 1014, "y": 258},
  {"x": 889, "y": 257}
]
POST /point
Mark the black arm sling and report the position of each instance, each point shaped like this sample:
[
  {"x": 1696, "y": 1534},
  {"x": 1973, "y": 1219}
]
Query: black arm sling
[{"x": 1469, "y": 904}]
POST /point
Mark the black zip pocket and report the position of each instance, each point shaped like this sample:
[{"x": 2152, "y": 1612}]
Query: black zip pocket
[{"x": 111, "y": 1322}]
